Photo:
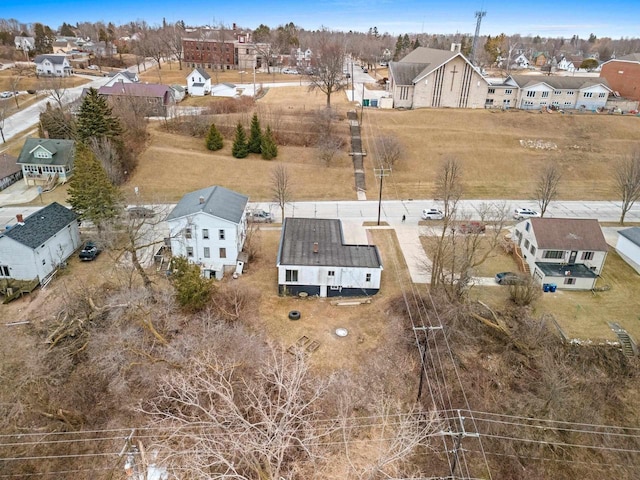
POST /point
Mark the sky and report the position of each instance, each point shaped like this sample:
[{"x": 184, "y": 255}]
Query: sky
[{"x": 547, "y": 18}]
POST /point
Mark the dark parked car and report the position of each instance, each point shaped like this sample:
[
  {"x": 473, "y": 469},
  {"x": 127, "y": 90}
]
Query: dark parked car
[
  {"x": 89, "y": 252},
  {"x": 509, "y": 278},
  {"x": 140, "y": 212}
]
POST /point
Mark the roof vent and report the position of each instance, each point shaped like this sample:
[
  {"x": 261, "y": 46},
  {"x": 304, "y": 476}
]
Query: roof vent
[
  {"x": 19, "y": 218},
  {"x": 315, "y": 247},
  {"x": 201, "y": 200}
]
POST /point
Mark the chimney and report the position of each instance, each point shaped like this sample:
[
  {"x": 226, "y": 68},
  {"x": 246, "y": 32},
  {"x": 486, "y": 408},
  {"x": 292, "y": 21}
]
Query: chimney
[
  {"x": 201, "y": 200},
  {"x": 315, "y": 247},
  {"x": 19, "y": 218},
  {"x": 456, "y": 47}
]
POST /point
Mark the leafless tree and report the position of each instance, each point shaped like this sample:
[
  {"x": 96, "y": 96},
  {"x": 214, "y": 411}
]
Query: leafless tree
[
  {"x": 172, "y": 39},
  {"x": 389, "y": 150},
  {"x": 328, "y": 147},
  {"x": 230, "y": 422},
  {"x": 4, "y": 113},
  {"x": 281, "y": 186},
  {"x": 109, "y": 157},
  {"x": 56, "y": 88},
  {"x": 327, "y": 75},
  {"x": 627, "y": 180},
  {"x": 18, "y": 72},
  {"x": 547, "y": 186}
]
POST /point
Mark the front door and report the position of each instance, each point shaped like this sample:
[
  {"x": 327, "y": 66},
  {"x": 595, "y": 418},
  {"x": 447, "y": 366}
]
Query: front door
[{"x": 572, "y": 257}]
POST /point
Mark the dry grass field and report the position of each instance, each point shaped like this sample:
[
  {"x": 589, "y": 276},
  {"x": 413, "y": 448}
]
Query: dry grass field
[{"x": 31, "y": 82}]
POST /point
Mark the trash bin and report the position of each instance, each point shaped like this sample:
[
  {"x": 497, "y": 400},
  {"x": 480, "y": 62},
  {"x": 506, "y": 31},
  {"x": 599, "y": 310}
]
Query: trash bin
[
  {"x": 374, "y": 102},
  {"x": 545, "y": 287},
  {"x": 365, "y": 102},
  {"x": 552, "y": 287}
]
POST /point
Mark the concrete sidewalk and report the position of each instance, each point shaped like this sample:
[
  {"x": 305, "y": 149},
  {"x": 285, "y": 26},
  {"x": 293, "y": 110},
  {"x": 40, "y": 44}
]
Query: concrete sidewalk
[{"x": 18, "y": 193}]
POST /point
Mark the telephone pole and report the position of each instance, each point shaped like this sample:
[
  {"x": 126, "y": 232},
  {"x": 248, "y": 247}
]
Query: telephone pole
[{"x": 380, "y": 173}]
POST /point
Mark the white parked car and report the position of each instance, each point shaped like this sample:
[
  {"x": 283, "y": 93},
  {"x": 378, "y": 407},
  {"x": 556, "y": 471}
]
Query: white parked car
[
  {"x": 6, "y": 94},
  {"x": 432, "y": 214},
  {"x": 93, "y": 67},
  {"x": 291, "y": 71},
  {"x": 522, "y": 213}
]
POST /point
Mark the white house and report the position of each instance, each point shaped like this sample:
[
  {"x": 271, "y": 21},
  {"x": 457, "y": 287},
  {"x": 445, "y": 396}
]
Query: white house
[
  {"x": 198, "y": 83},
  {"x": 209, "y": 227},
  {"x": 53, "y": 65},
  {"x": 569, "y": 252},
  {"x": 313, "y": 258},
  {"x": 125, "y": 76},
  {"x": 37, "y": 245},
  {"x": 521, "y": 61},
  {"x": 26, "y": 44},
  {"x": 628, "y": 246}
]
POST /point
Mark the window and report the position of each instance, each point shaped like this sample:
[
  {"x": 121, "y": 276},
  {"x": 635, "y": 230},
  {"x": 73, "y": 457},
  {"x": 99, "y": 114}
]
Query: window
[
  {"x": 205, "y": 233},
  {"x": 531, "y": 94},
  {"x": 367, "y": 277},
  {"x": 221, "y": 234},
  {"x": 545, "y": 94},
  {"x": 528, "y": 104},
  {"x": 587, "y": 255},
  {"x": 533, "y": 250},
  {"x": 557, "y": 92},
  {"x": 526, "y": 244},
  {"x": 331, "y": 273},
  {"x": 187, "y": 233},
  {"x": 189, "y": 251},
  {"x": 567, "y": 104},
  {"x": 488, "y": 101},
  {"x": 223, "y": 252},
  {"x": 527, "y": 226},
  {"x": 569, "y": 281},
  {"x": 587, "y": 94},
  {"x": 291, "y": 275},
  {"x": 508, "y": 91},
  {"x": 571, "y": 92},
  {"x": 553, "y": 254},
  {"x": 492, "y": 90},
  {"x": 207, "y": 252},
  {"x": 601, "y": 95},
  {"x": 4, "y": 271}
]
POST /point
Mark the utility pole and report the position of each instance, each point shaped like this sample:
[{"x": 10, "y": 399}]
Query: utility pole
[
  {"x": 380, "y": 173},
  {"x": 479, "y": 15},
  {"x": 424, "y": 355},
  {"x": 462, "y": 433}
]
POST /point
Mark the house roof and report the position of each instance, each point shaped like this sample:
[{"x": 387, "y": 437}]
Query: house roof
[
  {"x": 147, "y": 90},
  {"x": 300, "y": 234},
  {"x": 203, "y": 74},
  {"x": 42, "y": 225},
  {"x": 632, "y": 57},
  {"x": 125, "y": 73},
  {"x": 420, "y": 63},
  {"x": 217, "y": 201},
  {"x": 62, "y": 151},
  {"x": 568, "y": 234},
  {"x": 55, "y": 59},
  {"x": 8, "y": 165},
  {"x": 632, "y": 234},
  {"x": 404, "y": 73},
  {"x": 561, "y": 83}
]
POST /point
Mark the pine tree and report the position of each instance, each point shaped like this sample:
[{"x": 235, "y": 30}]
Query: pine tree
[
  {"x": 255, "y": 136},
  {"x": 96, "y": 118},
  {"x": 269, "y": 148},
  {"x": 240, "y": 148},
  {"x": 91, "y": 194},
  {"x": 214, "y": 139}
]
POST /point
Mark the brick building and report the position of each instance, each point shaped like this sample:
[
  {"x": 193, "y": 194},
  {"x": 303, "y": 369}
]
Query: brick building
[
  {"x": 623, "y": 75},
  {"x": 221, "y": 49}
]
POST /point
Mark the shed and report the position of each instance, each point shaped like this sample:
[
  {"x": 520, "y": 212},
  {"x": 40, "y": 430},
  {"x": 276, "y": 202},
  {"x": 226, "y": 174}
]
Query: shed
[{"x": 628, "y": 246}]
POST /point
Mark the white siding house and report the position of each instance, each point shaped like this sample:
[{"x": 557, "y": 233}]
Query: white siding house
[
  {"x": 209, "y": 227},
  {"x": 628, "y": 246},
  {"x": 52, "y": 66},
  {"x": 313, "y": 258},
  {"x": 198, "y": 83},
  {"x": 569, "y": 252},
  {"x": 124, "y": 76},
  {"x": 34, "y": 247}
]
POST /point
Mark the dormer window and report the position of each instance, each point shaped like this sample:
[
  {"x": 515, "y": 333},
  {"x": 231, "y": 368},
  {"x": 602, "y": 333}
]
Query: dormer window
[{"x": 42, "y": 154}]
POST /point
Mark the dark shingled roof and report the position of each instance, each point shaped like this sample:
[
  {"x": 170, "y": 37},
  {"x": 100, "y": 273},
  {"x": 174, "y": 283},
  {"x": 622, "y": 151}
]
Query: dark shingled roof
[
  {"x": 42, "y": 225},
  {"x": 632, "y": 234},
  {"x": 146, "y": 90},
  {"x": 8, "y": 165},
  {"x": 300, "y": 234},
  {"x": 404, "y": 73},
  {"x": 55, "y": 59},
  {"x": 204, "y": 74},
  {"x": 568, "y": 234},
  {"x": 632, "y": 57},
  {"x": 418, "y": 63},
  {"x": 564, "y": 83},
  {"x": 130, "y": 75},
  {"x": 217, "y": 201},
  {"x": 62, "y": 151}
]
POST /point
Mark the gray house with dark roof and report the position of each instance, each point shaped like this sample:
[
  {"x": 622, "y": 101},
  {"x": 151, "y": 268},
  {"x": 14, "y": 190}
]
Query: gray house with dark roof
[
  {"x": 124, "y": 76},
  {"x": 154, "y": 97},
  {"x": 37, "y": 245},
  {"x": 428, "y": 77},
  {"x": 198, "y": 83},
  {"x": 569, "y": 252},
  {"x": 209, "y": 227},
  {"x": 46, "y": 161},
  {"x": 313, "y": 258},
  {"x": 628, "y": 246}
]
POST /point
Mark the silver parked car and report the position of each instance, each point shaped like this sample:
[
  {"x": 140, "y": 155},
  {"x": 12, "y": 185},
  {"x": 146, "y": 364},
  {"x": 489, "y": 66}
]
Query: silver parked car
[{"x": 259, "y": 216}]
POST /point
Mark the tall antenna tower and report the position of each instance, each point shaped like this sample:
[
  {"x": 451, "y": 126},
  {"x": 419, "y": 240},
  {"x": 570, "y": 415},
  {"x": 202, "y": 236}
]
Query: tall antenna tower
[{"x": 479, "y": 15}]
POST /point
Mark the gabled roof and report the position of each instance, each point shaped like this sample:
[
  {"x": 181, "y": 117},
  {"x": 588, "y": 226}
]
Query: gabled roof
[
  {"x": 299, "y": 236},
  {"x": 632, "y": 57},
  {"x": 568, "y": 234},
  {"x": 560, "y": 83},
  {"x": 632, "y": 234},
  {"x": 8, "y": 165},
  {"x": 62, "y": 151},
  {"x": 217, "y": 201},
  {"x": 42, "y": 225},
  {"x": 125, "y": 73},
  {"x": 147, "y": 90},
  {"x": 55, "y": 59},
  {"x": 202, "y": 73}
]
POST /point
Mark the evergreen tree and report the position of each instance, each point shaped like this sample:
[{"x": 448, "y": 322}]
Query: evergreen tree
[
  {"x": 397, "y": 55},
  {"x": 96, "y": 119},
  {"x": 255, "y": 136},
  {"x": 193, "y": 291},
  {"x": 269, "y": 148},
  {"x": 214, "y": 139},
  {"x": 66, "y": 30},
  {"x": 240, "y": 148},
  {"x": 91, "y": 194},
  {"x": 416, "y": 44},
  {"x": 43, "y": 39}
]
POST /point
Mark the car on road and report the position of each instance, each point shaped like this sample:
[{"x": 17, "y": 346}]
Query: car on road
[
  {"x": 522, "y": 213},
  {"x": 509, "y": 278},
  {"x": 89, "y": 252},
  {"x": 93, "y": 67},
  {"x": 290, "y": 71},
  {"x": 259, "y": 216},
  {"x": 140, "y": 212},
  {"x": 6, "y": 94},
  {"x": 432, "y": 214}
]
